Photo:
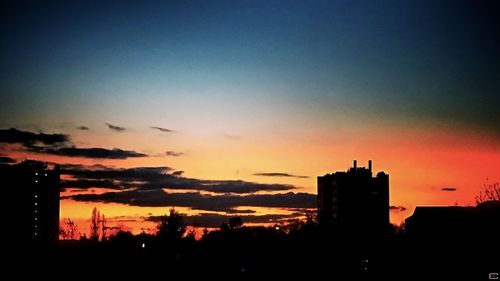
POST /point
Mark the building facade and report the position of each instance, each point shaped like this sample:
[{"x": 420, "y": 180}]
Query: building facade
[
  {"x": 33, "y": 188},
  {"x": 455, "y": 223},
  {"x": 354, "y": 204}
]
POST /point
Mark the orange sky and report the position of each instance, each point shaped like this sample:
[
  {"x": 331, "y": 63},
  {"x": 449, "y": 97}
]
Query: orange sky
[{"x": 419, "y": 163}]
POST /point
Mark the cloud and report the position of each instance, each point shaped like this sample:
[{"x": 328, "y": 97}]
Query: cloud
[
  {"x": 165, "y": 130},
  {"x": 94, "y": 152},
  {"x": 448, "y": 189},
  {"x": 280, "y": 175},
  {"x": 149, "y": 178},
  {"x": 83, "y": 128},
  {"x": 60, "y": 144},
  {"x": 174, "y": 154},
  {"x": 196, "y": 200},
  {"x": 397, "y": 208},
  {"x": 7, "y": 160},
  {"x": 115, "y": 128},
  {"x": 215, "y": 220},
  {"x": 171, "y": 181},
  {"x": 84, "y": 184},
  {"x": 29, "y": 138},
  {"x": 137, "y": 174}
]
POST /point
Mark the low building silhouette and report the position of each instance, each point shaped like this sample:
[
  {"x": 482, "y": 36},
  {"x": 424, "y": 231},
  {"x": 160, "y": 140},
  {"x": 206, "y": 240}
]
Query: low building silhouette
[
  {"x": 354, "y": 204},
  {"x": 455, "y": 222},
  {"x": 33, "y": 188}
]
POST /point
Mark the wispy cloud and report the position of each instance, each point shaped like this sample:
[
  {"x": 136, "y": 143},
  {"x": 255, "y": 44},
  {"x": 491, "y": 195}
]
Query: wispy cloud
[
  {"x": 397, "y": 208},
  {"x": 84, "y": 184},
  {"x": 29, "y": 138},
  {"x": 150, "y": 178},
  {"x": 93, "y": 152},
  {"x": 174, "y": 153},
  {"x": 165, "y": 130},
  {"x": 60, "y": 144},
  {"x": 280, "y": 175},
  {"x": 448, "y": 189},
  {"x": 196, "y": 200},
  {"x": 215, "y": 220},
  {"x": 83, "y": 128},
  {"x": 136, "y": 174},
  {"x": 115, "y": 128}
]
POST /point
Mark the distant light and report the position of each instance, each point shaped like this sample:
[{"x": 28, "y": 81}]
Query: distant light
[
  {"x": 45, "y": 174},
  {"x": 36, "y": 203},
  {"x": 36, "y": 196},
  {"x": 277, "y": 228},
  {"x": 35, "y": 233},
  {"x": 36, "y": 211},
  {"x": 242, "y": 269},
  {"x": 36, "y": 225},
  {"x": 36, "y": 181},
  {"x": 36, "y": 174},
  {"x": 143, "y": 245},
  {"x": 36, "y": 219}
]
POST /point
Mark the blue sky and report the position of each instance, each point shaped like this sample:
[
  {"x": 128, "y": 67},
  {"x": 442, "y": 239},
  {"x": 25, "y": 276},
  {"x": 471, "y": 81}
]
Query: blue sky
[
  {"x": 417, "y": 62},
  {"x": 258, "y": 87}
]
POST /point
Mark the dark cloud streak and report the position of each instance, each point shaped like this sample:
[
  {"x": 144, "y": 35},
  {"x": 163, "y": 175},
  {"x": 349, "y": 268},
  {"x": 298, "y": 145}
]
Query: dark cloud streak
[
  {"x": 150, "y": 178},
  {"x": 85, "y": 184},
  {"x": 280, "y": 175},
  {"x": 174, "y": 154},
  {"x": 29, "y": 138},
  {"x": 112, "y": 174},
  {"x": 94, "y": 152},
  {"x": 60, "y": 144},
  {"x": 165, "y": 130},
  {"x": 115, "y": 128},
  {"x": 196, "y": 200},
  {"x": 397, "y": 208},
  {"x": 215, "y": 220}
]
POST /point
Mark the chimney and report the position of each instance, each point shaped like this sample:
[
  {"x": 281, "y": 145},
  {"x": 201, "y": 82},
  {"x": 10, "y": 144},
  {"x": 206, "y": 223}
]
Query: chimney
[
  {"x": 370, "y": 165},
  {"x": 355, "y": 164}
]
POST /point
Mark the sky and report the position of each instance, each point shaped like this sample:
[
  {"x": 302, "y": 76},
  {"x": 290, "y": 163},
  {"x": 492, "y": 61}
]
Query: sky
[{"x": 242, "y": 104}]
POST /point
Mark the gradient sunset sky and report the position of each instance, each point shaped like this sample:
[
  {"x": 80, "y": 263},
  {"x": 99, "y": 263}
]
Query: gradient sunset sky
[{"x": 245, "y": 103}]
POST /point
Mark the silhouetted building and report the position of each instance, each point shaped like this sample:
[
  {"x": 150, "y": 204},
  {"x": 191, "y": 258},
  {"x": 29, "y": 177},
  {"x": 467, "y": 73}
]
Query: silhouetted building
[
  {"x": 33, "y": 189},
  {"x": 455, "y": 223},
  {"x": 354, "y": 204}
]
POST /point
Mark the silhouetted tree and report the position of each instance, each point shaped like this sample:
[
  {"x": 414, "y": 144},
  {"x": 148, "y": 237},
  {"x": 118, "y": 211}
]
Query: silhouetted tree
[
  {"x": 68, "y": 229},
  {"x": 191, "y": 234},
  {"x": 83, "y": 237},
  {"x": 490, "y": 192},
  {"x": 401, "y": 228},
  {"x": 94, "y": 225},
  {"x": 224, "y": 226},
  {"x": 104, "y": 228},
  {"x": 205, "y": 232},
  {"x": 235, "y": 223},
  {"x": 98, "y": 226},
  {"x": 311, "y": 217},
  {"x": 171, "y": 226}
]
